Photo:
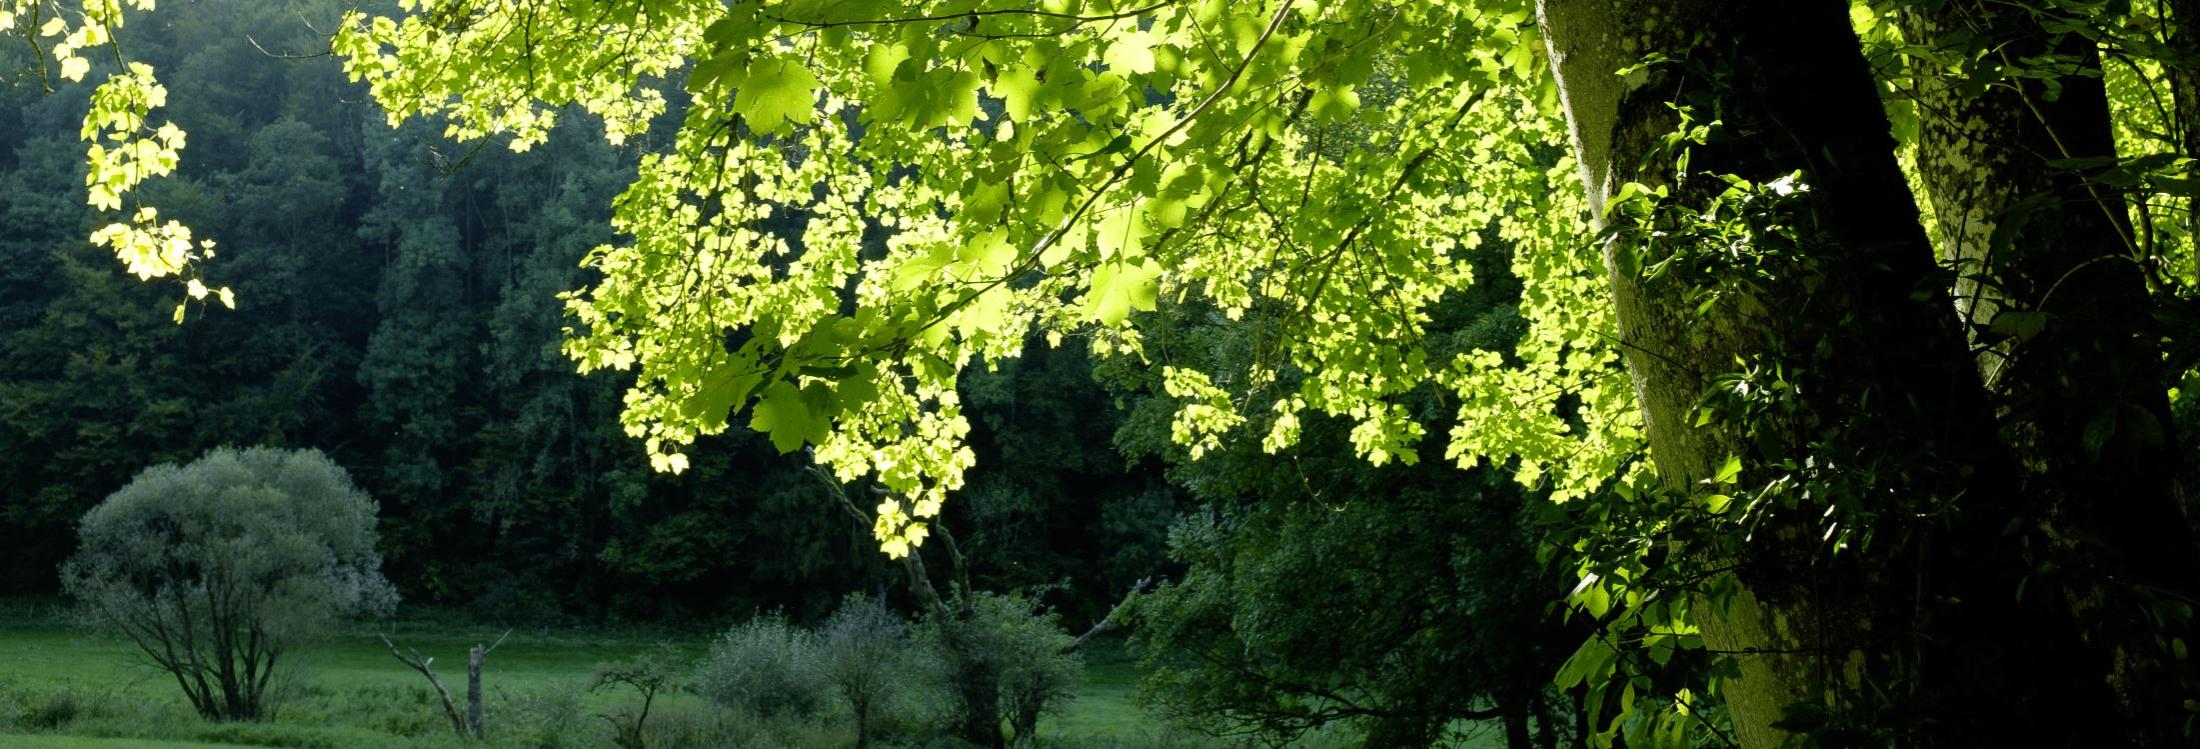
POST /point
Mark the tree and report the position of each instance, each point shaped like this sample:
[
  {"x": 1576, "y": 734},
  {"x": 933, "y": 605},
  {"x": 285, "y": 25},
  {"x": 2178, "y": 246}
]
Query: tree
[
  {"x": 864, "y": 656},
  {"x": 1928, "y": 475},
  {"x": 1735, "y": 127},
  {"x": 1745, "y": 363},
  {"x": 537, "y": 508},
  {"x": 217, "y": 568},
  {"x": 648, "y": 673},
  {"x": 2052, "y": 275}
]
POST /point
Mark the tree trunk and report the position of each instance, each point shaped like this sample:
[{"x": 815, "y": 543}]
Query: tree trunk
[
  {"x": 2051, "y": 280},
  {"x": 1515, "y": 719},
  {"x": 862, "y": 710},
  {"x": 1892, "y": 412},
  {"x": 2184, "y": 79},
  {"x": 977, "y": 685},
  {"x": 473, "y": 691}
]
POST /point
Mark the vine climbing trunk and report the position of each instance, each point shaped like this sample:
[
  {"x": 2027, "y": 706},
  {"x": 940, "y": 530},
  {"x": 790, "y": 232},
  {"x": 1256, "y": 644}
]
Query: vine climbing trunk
[
  {"x": 1876, "y": 414},
  {"x": 2052, "y": 288}
]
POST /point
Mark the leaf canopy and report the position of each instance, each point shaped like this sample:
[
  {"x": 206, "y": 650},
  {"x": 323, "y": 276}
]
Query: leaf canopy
[{"x": 1042, "y": 169}]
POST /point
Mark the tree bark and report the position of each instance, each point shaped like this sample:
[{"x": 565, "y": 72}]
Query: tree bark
[
  {"x": 2184, "y": 79},
  {"x": 2051, "y": 282},
  {"x": 473, "y": 691},
  {"x": 1891, "y": 385}
]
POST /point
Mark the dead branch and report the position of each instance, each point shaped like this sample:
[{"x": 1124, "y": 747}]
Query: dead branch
[{"x": 426, "y": 667}]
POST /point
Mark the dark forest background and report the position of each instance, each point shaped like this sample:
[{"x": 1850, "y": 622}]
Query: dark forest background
[{"x": 398, "y": 308}]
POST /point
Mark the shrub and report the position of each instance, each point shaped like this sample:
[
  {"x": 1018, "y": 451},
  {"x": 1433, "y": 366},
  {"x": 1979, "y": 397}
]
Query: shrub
[
  {"x": 53, "y": 711},
  {"x": 765, "y": 667},
  {"x": 550, "y": 719},
  {"x": 217, "y": 568}
]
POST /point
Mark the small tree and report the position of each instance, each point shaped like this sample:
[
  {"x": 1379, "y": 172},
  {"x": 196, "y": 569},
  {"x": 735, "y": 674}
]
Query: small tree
[
  {"x": 865, "y": 658},
  {"x": 648, "y": 674},
  {"x": 216, "y": 568},
  {"x": 1010, "y": 661},
  {"x": 1040, "y": 669}
]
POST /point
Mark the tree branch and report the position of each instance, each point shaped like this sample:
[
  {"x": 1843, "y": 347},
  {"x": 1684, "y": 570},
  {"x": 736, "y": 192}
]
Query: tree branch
[{"x": 1114, "y": 618}]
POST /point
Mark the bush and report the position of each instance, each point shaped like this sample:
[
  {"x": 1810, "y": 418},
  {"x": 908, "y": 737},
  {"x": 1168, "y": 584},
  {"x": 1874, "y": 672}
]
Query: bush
[
  {"x": 55, "y": 710},
  {"x": 552, "y": 719},
  {"x": 766, "y": 668},
  {"x": 218, "y": 567}
]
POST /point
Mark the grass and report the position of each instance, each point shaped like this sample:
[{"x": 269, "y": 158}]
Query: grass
[{"x": 62, "y": 687}]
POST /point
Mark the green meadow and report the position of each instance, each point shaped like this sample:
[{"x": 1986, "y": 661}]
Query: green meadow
[{"x": 65, "y": 687}]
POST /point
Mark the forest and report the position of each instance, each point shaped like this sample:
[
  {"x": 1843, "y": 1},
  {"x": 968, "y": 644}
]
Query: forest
[{"x": 1098, "y": 373}]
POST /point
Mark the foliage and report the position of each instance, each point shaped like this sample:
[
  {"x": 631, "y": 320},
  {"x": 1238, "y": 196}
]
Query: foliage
[
  {"x": 765, "y": 667},
  {"x": 127, "y": 145},
  {"x": 1110, "y": 182},
  {"x": 218, "y": 568},
  {"x": 1405, "y": 603},
  {"x": 372, "y": 267}
]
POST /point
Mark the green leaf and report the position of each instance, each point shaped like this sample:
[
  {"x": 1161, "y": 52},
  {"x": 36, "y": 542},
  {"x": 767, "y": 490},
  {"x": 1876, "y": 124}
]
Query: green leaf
[
  {"x": 1116, "y": 145},
  {"x": 786, "y": 418},
  {"x": 1716, "y": 504},
  {"x": 883, "y": 59},
  {"x": 985, "y": 256},
  {"x": 726, "y": 385},
  {"x": 1123, "y": 236},
  {"x": 1118, "y": 288},
  {"x": 2018, "y": 324},
  {"x": 1131, "y": 53},
  {"x": 1590, "y": 664},
  {"x": 776, "y": 92},
  {"x": 919, "y": 271},
  {"x": 1728, "y": 471},
  {"x": 935, "y": 98},
  {"x": 1335, "y": 102},
  {"x": 715, "y": 74},
  {"x": 1018, "y": 89}
]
